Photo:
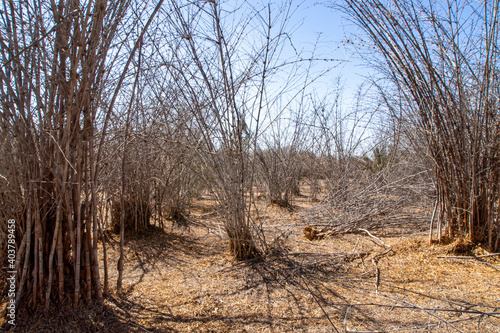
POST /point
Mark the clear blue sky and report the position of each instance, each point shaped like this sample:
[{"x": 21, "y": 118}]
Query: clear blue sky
[{"x": 332, "y": 30}]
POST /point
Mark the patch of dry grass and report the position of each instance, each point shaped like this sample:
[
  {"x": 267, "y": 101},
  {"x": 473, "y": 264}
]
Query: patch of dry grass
[{"x": 183, "y": 280}]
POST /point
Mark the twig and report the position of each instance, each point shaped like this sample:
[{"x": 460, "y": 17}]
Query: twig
[
  {"x": 355, "y": 246},
  {"x": 345, "y": 317},
  {"x": 326, "y": 314},
  {"x": 138, "y": 326},
  {"x": 416, "y": 328},
  {"x": 375, "y": 260},
  {"x": 473, "y": 261},
  {"x": 374, "y": 237},
  {"x": 377, "y": 275},
  {"x": 470, "y": 257}
]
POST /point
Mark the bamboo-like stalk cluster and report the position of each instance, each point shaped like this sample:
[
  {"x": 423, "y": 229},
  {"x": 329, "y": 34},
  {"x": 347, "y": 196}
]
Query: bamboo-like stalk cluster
[
  {"x": 53, "y": 66},
  {"x": 444, "y": 65}
]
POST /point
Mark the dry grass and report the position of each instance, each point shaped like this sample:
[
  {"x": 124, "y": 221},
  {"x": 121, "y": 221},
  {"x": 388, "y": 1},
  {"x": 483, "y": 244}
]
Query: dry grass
[{"x": 183, "y": 280}]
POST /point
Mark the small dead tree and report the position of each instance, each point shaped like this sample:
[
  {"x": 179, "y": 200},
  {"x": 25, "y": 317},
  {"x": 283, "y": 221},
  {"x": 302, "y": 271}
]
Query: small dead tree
[
  {"x": 224, "y": 87},
  {"x": 340, "y": 132},
  {"x": 281, "y": 169}
]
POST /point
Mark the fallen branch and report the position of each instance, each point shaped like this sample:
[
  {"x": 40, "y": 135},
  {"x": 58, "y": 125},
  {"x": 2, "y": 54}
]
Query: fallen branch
[
  {"x": 470, "y": 257},
  {"x": 473, "y": 261},
  {"x": 377, "y": 275},
  {"x": 375, "y": 237},
  {"x": 319, "y": 304},
  {"x": 416, "y": 328}
]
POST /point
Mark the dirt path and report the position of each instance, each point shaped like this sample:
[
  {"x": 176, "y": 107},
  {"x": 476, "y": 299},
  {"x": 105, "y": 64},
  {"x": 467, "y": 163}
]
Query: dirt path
[{"x": 183, "y": 280}]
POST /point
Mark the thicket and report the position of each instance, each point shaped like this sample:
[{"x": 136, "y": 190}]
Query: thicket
[
  {"x": 442, "y": 62},
  {"x": 121, "y": 114}
]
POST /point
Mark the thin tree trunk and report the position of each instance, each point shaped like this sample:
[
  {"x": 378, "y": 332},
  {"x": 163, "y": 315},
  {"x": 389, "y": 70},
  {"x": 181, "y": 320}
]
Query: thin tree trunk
[
  {"x": 431, "y": 228},
  {"x": 88, "y": 271},
  {"x": 95, "y": 222},
  {"x": 60, "y": 263},
  {"x": 27, "y": 253},
  {"x": 78, "y": 212},
  {"x": 105, "y": 255},
  {"x": 51, "y": 255}
]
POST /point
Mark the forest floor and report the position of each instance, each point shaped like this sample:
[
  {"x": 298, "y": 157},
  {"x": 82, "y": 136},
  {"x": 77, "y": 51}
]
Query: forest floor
[{"x": 182, "y": 279}]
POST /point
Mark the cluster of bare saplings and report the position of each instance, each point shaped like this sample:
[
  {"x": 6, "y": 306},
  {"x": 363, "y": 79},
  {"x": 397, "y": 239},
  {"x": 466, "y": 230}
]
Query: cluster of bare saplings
[{"x": 117, "y": 114}]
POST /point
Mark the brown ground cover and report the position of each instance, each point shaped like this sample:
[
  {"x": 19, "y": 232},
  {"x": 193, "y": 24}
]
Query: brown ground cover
[{"x": 183, "y": 280}]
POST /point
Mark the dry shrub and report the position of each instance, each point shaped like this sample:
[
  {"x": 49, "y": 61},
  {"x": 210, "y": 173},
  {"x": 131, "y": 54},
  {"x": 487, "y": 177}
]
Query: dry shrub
[
  {"x": 460, "y": 245},
  {"x": 453, "y": 117},
  {"x": 136, "y": 213},
  {"x": 283, "y": 203}
]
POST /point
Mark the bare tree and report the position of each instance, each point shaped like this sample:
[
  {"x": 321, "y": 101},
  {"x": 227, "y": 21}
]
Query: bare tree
[
  {"x": 53, "y": 65},
  {"x": 442, "y": 60},
  {"x": 228, "y": 55},
  {"x": 56, "y": 77},
  {"x": 281, "y": 155}
]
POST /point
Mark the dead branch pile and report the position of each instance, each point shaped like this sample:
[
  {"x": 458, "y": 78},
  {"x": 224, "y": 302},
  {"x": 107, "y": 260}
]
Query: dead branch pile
[{"x": 356, "y": 207}]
